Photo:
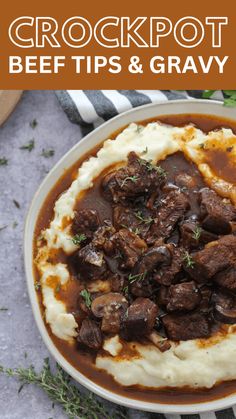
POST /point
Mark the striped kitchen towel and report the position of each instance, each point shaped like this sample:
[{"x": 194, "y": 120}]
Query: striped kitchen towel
[{"x": 90, "y": 108}]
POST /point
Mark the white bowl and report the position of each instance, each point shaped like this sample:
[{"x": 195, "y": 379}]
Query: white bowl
[{"x": 87, "y": 143}]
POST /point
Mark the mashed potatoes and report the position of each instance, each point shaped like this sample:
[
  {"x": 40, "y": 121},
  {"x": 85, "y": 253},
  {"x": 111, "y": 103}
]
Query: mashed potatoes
[{"x": 186, "y": 363}]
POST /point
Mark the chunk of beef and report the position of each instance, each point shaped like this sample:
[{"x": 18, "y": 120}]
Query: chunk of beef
[
  {"x": 186, "y": 326},
  {"x": 85, "y": 222},
  {"x": 140, "y": 318},
  {"x": 215, "y": 257},
  {"x": 90, "y": 263},
  {"x": 130, "y": 218},
  {"x": 183, "y": 297},
  {"x": 193, "y": 235},
  {"x": 90, "y": 334},
  {"x": 171, "y": 210},
  {"x": 162, "y": 296},
  {"x": 151, "y": 260},
  {"x": 117, "y": 283},
  {"x": 215, "y": 213},
  {"x": 137, "y": 178},
  {"x": 130, "y": 246},
  {"x": 165, "y": 275},
  {"x": 227, "y": 279},
  {"x": 102, "y": 237},
  {"x": 110, "y": 307}
]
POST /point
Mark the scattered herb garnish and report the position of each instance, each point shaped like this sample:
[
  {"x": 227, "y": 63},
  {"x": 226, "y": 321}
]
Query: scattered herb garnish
[
  {"x": 60, "y": 390},
  {"x": 78, "y": 238},
  {"x": 37, "y": 285},
  {"x": 145, "y": 151},
  {"x": 33, "y": 124},
  {"x": 197, "y": 233},
  {"x": 16, "y": 203},
  {"x": 47, "y": 153},
  {"x": 230, "y": 99},
  {"x": 138, "y": 277},
  {"x": 87, "y": 297},
  {"x": 3, "y": 161},
  {"x": 202, "y": 145},
  {"x": 139, "y": 216},
  {"x": 14, "y": 224},
  {"x": 149, "y": 166},
  {"x": 29, "y": 146},
  {"x": 25, "y": 355},
  {"x": 188, "y": 260},
  {"x": 58, "y": 288},
  {"x": 131, "y": 178},
  {"x": 3, "y": 309},
  {"x": 3, "y": 227}
]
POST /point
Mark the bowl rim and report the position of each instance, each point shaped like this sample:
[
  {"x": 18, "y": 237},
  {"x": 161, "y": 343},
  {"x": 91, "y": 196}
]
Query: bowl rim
[{"x": 31, "y": 218}]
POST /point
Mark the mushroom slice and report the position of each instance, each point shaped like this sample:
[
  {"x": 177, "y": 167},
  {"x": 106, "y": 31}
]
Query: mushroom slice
[{"x": 110, "y": 307}]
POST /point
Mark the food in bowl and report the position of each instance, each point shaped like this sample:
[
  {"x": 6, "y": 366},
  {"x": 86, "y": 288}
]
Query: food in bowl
[{"x": 135, "y": 256}]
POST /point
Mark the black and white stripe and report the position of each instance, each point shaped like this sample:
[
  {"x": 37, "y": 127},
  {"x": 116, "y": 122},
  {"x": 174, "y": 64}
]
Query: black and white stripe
[{"x": 90, "y": 108}]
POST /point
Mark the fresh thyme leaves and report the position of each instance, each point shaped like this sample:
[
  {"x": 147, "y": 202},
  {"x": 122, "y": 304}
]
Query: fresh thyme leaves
[
  {"x": 3, "y": 309},
  {"x": 138, "y": 277},
  {"x": 14, "y": 224},
  {"x": 37, "y": 285},
  {"x": 3, "y": 227},
  {"x": 58, "y": 288},
  {"x": 149, "y": 166},
  {"x": 197, "y": 233},
  {"x": 78, "y": 238},
  {"x": 33, "y": 124},
  {"x": 60, "y": 390},
  {"x": 131, "y": 178},
  {"x": 87, "y": 297},
  {"x": 29, "y": 146},
  {"x": 230, "y": 99},
  {"x": 145, "y": 151},
  {"x": 144, "y": 220},
  {"x": 188, "y": 260},
  {"x": 3, "y": 161},
  {"x": 48, "y": 153},
  {"x": 16, "y": 203}
]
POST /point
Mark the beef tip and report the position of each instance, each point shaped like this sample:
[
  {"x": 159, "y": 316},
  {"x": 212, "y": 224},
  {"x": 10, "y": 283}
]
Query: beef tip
[
  {"x": 102, "y": 238},
  {"x": 216, "y": 214},
  {"x": 165, "y": 275},
  {"x": 90, "y": 334},
  {"x": 227, "y": 279},
  {"x": 186, "y": 326},
  {"x": 215, "y": 257},
  {"x": 137, "y": 178},
  {"x": 151, "y": 260},
  {"x": 117, "y": 283},
  {"x": 183, "y": 297},
  {"x": 171, "y": 210},
  {"x": 85, "y": 222},
  {"x": 110, "y": 307},
  {"x": 139, "y": 319},
  {"x": 193, "y": 235},
  {"x": 125, "y": 217},
  {"x": 90, "y": 263},
  {"x": 130, "y": 246},
  {"x": 162, "y": 296}
]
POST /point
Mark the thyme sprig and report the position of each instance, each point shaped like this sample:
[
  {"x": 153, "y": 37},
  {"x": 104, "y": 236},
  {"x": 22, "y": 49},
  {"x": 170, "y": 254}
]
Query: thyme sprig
[
  {"x": 85, "y": 294},
  {"x": 60, "y": 390},
  {"x": 131, "y": 178},
  {"x": 79, "y": 238},
  {"x": 3, "y": 161},
  {"x": 197, "y": 233},
  {"x": 29, "y": 146},
  {"x": 146, "y": 220},
  {"x": 188, "y": 260}
]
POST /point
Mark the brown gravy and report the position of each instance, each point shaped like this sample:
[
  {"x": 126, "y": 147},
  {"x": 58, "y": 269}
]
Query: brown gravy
[{"x": 83, "y": 360}]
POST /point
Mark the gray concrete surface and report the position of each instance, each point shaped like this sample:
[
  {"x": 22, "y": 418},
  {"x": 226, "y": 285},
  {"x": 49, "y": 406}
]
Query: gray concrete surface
[{"x": 19, "y": 181}]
